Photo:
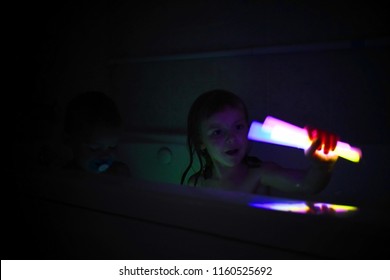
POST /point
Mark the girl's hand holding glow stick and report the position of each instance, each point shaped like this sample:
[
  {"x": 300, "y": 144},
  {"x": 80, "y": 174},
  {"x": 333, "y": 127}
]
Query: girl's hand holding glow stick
[
  {"x": 328, "y": 141},
  {"x": 323, "y": 144},
  {"x": 282, "y": 133}
]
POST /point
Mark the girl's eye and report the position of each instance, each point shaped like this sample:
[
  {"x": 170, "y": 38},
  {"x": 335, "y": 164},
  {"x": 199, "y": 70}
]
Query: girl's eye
[{"x": 216, "y": 132}]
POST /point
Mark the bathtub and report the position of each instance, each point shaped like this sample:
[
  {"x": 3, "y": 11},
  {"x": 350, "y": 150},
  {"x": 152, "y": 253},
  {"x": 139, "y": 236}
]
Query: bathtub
[
  {"x": 156, "y": 157},
  {"x": 64, "y": 214},
  {"x": 162, "y": 158}
]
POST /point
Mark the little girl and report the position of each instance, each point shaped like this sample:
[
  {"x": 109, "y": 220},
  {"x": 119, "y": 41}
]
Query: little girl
[{"x": 217, "y": 134}]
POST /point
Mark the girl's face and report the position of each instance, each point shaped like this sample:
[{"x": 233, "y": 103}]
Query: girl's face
[{"x": 224, "y": 136}]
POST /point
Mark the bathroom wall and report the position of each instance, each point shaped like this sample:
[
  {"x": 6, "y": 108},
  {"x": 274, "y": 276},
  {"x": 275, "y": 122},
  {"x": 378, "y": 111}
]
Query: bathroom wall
[{"x": 323, "y": 65}]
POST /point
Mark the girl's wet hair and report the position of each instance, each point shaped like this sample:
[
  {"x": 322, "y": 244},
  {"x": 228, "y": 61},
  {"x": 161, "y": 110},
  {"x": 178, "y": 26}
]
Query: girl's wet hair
[
  {"x": 203, "y": 107},
  {"x": 91, "y": 108}
]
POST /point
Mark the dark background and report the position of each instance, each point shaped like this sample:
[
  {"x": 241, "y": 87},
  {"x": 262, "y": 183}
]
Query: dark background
[{"x": 324, "y": 63}]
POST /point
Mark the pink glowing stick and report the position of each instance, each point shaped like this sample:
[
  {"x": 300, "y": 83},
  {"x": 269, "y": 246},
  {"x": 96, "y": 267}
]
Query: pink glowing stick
[{"x": 282, "y": 133}]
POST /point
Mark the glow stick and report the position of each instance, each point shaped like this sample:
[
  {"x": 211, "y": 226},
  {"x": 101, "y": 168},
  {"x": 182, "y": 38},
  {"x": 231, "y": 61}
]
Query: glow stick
[{"x": 279, "y": 132}]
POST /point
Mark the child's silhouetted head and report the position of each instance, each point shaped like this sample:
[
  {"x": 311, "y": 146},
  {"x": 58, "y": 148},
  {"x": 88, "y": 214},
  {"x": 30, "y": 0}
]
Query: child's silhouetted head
[{"x": 92, "y": 128}]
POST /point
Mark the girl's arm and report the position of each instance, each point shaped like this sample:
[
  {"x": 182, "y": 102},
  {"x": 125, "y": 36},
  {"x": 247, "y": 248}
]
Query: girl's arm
[{"x": 310, "y": 181}]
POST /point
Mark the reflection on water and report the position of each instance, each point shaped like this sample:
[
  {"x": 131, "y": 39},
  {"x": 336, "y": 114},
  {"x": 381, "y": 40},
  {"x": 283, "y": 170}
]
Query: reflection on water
[{"x": 304, "y": 207}]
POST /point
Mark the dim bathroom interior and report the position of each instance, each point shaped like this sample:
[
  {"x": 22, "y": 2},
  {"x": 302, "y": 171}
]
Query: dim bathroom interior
[{"x": 324, "y": 65}]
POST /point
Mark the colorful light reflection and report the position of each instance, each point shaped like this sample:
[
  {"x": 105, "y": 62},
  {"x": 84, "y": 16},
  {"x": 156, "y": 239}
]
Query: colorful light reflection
[
  {"x": 305, "y": 207},
  {"x": 276, "y": 131}
]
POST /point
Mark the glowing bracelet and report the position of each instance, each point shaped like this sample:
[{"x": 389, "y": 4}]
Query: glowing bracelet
[{"x": 279, "y": 132}]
